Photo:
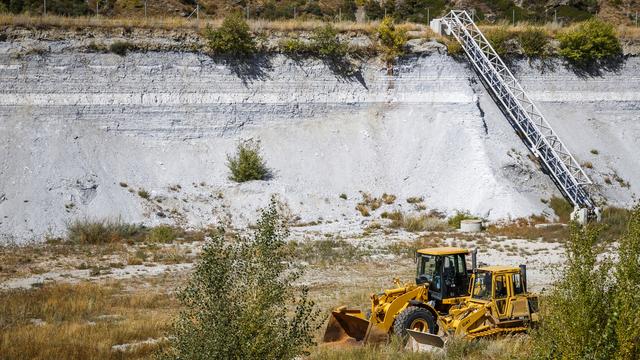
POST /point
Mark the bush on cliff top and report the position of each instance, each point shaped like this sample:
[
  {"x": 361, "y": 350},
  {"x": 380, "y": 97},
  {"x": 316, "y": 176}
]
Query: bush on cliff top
[
  {"x": 392, "y": 40},
  {"x": 534, "y": 42},
  {"x": 589, "y": 42},
  {"x": 233, "y": 38},
  {"x": 325, "y": 43}
]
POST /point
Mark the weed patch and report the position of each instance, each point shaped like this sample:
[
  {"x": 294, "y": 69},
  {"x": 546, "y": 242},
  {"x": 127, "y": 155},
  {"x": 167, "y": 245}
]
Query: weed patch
[{"x": 101, "y": 231}]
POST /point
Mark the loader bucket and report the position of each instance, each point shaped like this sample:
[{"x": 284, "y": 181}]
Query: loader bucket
[
  {"x": 424, "y": 338},
  {"x": 346, "y": 324}
]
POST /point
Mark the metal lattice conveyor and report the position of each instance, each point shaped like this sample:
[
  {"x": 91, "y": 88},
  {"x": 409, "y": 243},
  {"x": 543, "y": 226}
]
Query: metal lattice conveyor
[{"x": 519, "y": 109}]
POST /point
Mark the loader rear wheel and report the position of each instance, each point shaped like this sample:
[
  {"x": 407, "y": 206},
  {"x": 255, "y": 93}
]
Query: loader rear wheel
[{"x": 414, "y": 318}]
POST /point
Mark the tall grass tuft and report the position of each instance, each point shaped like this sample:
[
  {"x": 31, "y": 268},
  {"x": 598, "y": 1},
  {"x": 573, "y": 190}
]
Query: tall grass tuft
[
  {"x": 561, "y": 207},
  {"x": 100, "y": 231},
  {"x": 534, "y": 42},
  {"x": 456, "y": 219}
]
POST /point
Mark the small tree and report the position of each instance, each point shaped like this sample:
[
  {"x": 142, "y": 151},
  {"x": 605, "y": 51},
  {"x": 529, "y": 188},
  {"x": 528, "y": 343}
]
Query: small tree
[
  {"x": 325, "y": 42},
  {"x": 233, "y": 38},
  {"x": 392, "y": 40},
  {"x": 247, "y": 163},
  {"x": 240, "y": 302},
  {"x": 575, "y": 321},
  {"x": 589, "y": 42},
  {"x": 627, "y": 291}
]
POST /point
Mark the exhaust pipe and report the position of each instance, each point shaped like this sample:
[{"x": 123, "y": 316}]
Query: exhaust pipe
[
  {"x": 474, "y": 260},
  {"x": 523, "y": 274}
]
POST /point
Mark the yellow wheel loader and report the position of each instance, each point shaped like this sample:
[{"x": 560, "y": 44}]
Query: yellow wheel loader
[
  {"x": 499, "y": 303},
  {"x": 442, "y": 282}
]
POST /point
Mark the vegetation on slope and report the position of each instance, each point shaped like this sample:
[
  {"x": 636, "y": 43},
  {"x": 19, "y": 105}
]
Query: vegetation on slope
[
  {"x": 241, "y": 301},
  {"x": 592, "y": 311},
  {"x": 590, "y": 42},
  {"x": 247, "y": 163},
  {"x": 232, "y": 38}
]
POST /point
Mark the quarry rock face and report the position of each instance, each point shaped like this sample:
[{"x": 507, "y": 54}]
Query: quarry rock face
[{"x": 82, "y": 135}]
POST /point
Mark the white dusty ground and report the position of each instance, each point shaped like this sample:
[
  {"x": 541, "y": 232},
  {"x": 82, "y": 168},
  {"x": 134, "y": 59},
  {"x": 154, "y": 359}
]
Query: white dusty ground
[
  {"x": 376, "y": 269},
  {"x": 73, "y": 126}
]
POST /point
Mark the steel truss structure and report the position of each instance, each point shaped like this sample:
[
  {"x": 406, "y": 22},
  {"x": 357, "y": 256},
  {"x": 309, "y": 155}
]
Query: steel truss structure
[{"x": 521, "y": 112}]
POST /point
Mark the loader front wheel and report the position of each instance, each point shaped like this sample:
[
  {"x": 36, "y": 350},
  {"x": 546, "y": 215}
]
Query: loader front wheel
[{"x": 414, "y": 318}]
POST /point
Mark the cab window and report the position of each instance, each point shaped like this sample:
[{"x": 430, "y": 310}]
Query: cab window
[
  {"x": 429, "y": 270},
  {"x": 501, "y": 287},
  {"x": 482, "y": 286},
  {"x": 517, "y": 284}
]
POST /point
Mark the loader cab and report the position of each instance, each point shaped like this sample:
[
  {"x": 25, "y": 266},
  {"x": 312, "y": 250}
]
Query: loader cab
[{"x": 445, "y": 271}]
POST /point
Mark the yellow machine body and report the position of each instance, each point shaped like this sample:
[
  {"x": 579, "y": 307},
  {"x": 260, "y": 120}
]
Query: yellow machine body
[
  {"x": 499, "y": 303},
  {"x": 356, "y": 325}
]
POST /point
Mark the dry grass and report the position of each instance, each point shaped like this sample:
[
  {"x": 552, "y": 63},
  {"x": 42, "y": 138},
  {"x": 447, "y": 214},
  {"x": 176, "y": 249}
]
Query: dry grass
[
  {"x": 83, "y": 321},
  {"x": 526, "y": 229},
  {"x": 181, "y": 23},
  {"x": 418, "y": 223},
  {"x": 513, "y": 348},
  {"x": 561, "y": 207}
]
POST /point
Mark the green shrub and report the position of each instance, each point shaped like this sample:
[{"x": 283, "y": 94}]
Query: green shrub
[
  {"x": 455, "y": 220},
  {"x": 247, "y": 164},
  {"x": 615, "y": 223},
  {"x": 162, "y": 234},
  {"x": 233, "y": 38},
  {"x": 392, "y": 40},
  {"x": 561, "y": 207},
  {"x": 120, "y": 47},
  {"x": 100, "y": 231},
  {"x": 575, "y": 315},
  {"x": 590, "y": 42},
  {"x": 242, "y": 302},
  {"x": 420, "y": 11},
  {"x": 325, "y": 43},
  {"x": 54, "y": 7},
  {"x": 500, "y": 38},
  {"x": 454, "y": 48},
  {"x": 627, "y": 295},
  {"x": 534, "y": 42},
  {"x": 293, "y": 46},
  {"x": 144, "y": 194},
  {"x": 373, "y": 10},
  {"x": 346, "y": 11},
  {"x": 592, "y": 311}
]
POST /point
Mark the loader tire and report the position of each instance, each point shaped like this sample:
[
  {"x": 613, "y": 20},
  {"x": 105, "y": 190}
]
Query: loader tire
[{"x": 415, "y": 318}]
